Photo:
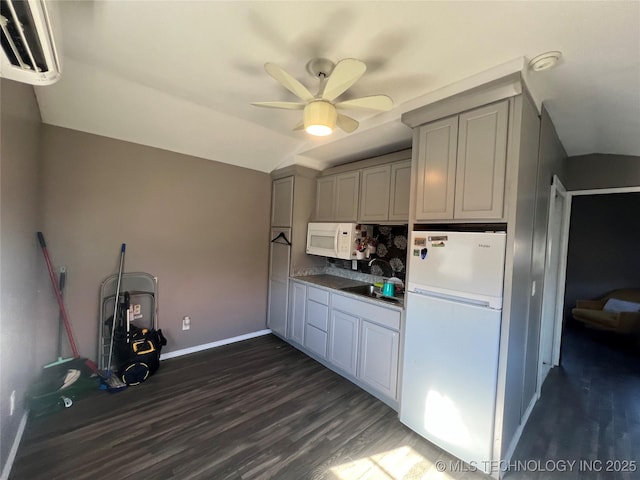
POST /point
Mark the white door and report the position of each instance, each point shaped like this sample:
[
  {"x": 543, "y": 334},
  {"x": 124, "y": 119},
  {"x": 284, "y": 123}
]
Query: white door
[{"x": 555, "y": 265}]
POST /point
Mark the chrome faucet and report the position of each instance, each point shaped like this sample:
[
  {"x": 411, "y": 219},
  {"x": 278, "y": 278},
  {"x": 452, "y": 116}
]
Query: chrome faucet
[{"x": 384, "y": 262}]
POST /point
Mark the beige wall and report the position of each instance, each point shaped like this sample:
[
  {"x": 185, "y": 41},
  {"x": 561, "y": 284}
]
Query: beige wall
[
  {"x": 28, "y": 322},
  {"x": 598, "y": 170},
  {"x": 200, "y": 226}
]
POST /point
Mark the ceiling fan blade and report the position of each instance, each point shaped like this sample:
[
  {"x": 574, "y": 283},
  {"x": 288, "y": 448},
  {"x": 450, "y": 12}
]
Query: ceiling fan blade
[
  {"x": 288, "y": 82},
  {"x": 347, "y": 124},
  {"x": 345, "y": 73},
  {"x": 284, "y": 105},
  {"x": 299, "y": 126},
  {"x": 382, "y": 103}
]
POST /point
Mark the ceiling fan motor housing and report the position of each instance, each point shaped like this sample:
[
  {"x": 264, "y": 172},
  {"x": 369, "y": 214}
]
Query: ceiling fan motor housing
[{"x": 320, "y": 117}]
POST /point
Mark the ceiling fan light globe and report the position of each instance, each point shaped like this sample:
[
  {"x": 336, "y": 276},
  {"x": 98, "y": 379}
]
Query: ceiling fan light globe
[
  {"x": 320, "y": 118},
  {"x": 319, "y": 130}
]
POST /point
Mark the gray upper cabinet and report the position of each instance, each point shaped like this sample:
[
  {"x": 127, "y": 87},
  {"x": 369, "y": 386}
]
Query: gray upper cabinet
[
  {"x": 374, "y": 195},
  {"x": 337, "y": 197},
  {"x": 325, "y": 198},
  {"x": 436, "y": 175},
  {"x": 282, "y": 202},
  {"x": 400, "y": 187},
  {"x": 347, "y": 190},
  {"x": 482, "y": 156},
  {"x": 379, "y": 191},
  {"x": 384, "y": 194},
  {"x": 461, "y": 165}
]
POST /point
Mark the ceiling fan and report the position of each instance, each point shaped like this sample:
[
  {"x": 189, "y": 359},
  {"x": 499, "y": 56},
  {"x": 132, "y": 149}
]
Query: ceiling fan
[{"x": 320, "y": 112}]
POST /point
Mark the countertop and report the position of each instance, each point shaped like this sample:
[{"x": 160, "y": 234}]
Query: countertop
[{"x": 337, "y": 283}]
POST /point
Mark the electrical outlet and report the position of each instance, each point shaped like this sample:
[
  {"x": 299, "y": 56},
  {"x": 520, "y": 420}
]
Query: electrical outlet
[
  {"x": 186, "y": 323},
  {"x": 12, "y": 403}
]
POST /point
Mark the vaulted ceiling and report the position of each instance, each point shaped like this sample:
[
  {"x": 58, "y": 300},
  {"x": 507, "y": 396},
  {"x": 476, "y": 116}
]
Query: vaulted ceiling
[{"x": 180, "y": 75}]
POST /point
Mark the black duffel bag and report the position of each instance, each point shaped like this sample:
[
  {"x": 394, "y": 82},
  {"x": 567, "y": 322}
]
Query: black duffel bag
[{"x": 138, "y": 353}]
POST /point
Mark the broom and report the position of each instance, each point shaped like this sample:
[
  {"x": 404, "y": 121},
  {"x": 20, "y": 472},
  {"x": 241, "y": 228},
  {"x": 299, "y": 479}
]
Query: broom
[
  {"x": 61, "y": 282},
  {"x": 63, "y": 311}
]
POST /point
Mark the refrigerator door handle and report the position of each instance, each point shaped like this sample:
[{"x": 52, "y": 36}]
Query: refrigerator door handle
[{"x": 453, "y": 298}]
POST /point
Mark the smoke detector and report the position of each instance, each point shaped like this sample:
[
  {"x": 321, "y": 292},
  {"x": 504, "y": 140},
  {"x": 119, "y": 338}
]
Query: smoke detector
[{"x": 544, "y": 61}]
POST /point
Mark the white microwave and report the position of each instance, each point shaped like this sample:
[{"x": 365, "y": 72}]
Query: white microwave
[{"x": 336, "y": 240}]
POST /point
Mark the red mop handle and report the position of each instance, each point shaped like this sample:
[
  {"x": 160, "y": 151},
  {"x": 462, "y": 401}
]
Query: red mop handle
[{"x": 56, "y": 288}]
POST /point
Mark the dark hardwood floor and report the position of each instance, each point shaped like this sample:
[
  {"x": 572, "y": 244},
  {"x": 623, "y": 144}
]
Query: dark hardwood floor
[
  {"x": 589, "y": 411},
  {"x": 257, "y": 409},
  {"x": 260, "y": 409}
]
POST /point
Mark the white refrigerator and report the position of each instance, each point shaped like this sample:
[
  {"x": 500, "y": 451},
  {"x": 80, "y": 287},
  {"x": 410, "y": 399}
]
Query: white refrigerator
[{"x": 452, "y": 335}]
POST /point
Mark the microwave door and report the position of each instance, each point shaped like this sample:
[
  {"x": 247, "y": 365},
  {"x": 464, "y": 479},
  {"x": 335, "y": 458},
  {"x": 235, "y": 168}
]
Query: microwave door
[{"x": 323, "y": 240}]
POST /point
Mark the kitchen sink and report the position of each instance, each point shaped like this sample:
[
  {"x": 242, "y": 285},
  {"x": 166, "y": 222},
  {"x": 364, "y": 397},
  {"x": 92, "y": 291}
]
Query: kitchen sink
[{"x": 370, "y": 291}]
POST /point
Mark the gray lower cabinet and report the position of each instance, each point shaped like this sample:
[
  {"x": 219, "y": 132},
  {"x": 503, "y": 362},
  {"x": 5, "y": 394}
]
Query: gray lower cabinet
[
  {"x": 317, "y": 321},
  {"x": 297, "y": 312},
  {"x": 379, "y": 347},
  {"x": 315, "y": 340},
  {"x": 277, "y": 314},
  {"x": 343, "y": 341},
  {"x": 358, "y": 339},
  {"x": 376, "y": 338}
]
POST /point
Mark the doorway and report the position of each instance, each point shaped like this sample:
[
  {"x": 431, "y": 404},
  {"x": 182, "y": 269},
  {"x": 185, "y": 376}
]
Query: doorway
[{"x": 555, "y": 286}]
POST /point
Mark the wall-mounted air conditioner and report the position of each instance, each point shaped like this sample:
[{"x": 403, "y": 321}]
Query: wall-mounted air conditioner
[{"x": 29, "y": 53}]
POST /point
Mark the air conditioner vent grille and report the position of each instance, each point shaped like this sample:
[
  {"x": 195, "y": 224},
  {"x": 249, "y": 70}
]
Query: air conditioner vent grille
[{"x": 19, "y": 39}]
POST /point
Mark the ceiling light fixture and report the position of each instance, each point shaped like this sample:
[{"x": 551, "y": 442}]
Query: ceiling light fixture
[
  {"x": 545, "y": 61},
  {"x": 320, "y": 118}
]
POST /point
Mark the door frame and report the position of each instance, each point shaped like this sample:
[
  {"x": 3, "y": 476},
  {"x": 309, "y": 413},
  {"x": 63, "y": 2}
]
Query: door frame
[
  {"x": 555, "y": 263},
  {"x": 553, "y": 329}
]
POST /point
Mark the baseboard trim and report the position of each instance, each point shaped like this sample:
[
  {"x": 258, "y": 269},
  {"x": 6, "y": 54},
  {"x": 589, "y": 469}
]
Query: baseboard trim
[
  {"x": 207, "y": 346},
  {"x": 6, "y": 470},
  {"x": 519, "y": 430}
]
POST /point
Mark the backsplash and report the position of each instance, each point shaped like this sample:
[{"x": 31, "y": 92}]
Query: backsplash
[{"x": 391, "y": 248}]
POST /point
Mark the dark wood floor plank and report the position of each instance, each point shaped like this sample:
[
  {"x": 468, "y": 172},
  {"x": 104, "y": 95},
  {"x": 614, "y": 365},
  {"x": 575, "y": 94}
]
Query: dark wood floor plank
[
  {"x": 589, "y": 409},
  {"x": 260, "y": 409},
  {"x": 255, "y": 410}
]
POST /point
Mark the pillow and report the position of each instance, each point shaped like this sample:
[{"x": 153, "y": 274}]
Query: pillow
[{"x": 615, "y": 305}]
